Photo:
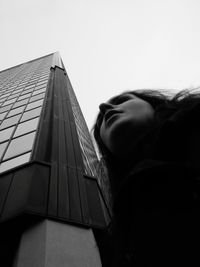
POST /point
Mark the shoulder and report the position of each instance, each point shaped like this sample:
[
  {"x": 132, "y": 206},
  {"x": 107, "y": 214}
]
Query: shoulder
[{"x": 157, "y": 186}]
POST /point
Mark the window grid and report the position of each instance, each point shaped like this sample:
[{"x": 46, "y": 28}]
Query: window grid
[{"x": 25, "y": 82}]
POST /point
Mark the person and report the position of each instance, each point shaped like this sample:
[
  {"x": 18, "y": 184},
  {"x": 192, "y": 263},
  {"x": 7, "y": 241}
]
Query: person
[{"x": 150, "y": 144}]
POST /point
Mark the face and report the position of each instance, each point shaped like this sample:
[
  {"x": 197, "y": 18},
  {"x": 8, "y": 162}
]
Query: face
[{"x": 124, "y": 123}]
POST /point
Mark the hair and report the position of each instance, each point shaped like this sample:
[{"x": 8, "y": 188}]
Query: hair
[
  {"x": 165, "y": 105},
  {"x": 119, "y": 244}
]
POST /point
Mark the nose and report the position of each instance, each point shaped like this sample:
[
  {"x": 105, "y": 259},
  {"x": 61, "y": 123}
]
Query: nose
[{"x": 104, "y": 107}]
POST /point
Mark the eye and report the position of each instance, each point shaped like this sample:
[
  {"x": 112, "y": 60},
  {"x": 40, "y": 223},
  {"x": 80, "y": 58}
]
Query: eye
[{"x": 123, "y": 99}]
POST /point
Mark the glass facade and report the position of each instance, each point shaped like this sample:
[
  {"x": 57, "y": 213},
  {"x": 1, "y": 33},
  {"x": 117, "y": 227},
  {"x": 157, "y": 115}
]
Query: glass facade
[
  {"x": 22, "y": 94},
  {"x": 48, "y": 164},
  {"x": 92, "y": 165}
]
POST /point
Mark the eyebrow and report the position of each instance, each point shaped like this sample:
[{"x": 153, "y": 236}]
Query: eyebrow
[{"x": 120, "y": 97}]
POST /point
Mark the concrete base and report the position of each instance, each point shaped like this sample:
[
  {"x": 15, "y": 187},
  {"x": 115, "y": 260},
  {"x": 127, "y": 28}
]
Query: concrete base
[{"x": 54, "y": 244}]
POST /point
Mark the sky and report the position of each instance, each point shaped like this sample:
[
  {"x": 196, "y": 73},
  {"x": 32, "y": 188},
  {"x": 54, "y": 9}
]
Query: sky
[{"x": 107, "y": 46}]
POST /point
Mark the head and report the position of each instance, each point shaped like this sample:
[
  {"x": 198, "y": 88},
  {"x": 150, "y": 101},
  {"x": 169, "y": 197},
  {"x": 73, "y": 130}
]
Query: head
[
  {"x": 124, "y": 120},
  {"x": 127, "y": 123},
  {"x": 124, "y": 123}
]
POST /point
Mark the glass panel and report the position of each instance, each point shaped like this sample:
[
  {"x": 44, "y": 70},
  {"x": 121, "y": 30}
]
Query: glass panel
[
  {"x": 2, "y": 148},
  {"x": 41, "y": 83},
  {"x": 20, "y": 103},
  {"x": 26, "y": 127},
  {"x": 24, "y": 96},
  {"x": 39, "y": 91},
  {"x": 6, "y": 134},
  {"x": 20, "y": 145},
  {"x": 9, "y": 101},
  {"x": 6, "y": 94},
  {"x": 35, "y": 104},
  {"x": 9, "y": 122},
  {"x": 36, "y": 97},
  {"x": 18, "y": 90},
  {"x": 31, "y": 114},
  {"x": 15, "y": 111},
  {"x": 13, "y": 96},
  {"x": 3, "y": 98},
  {"x": 27, "y": 91},
  {"x": 2, "y": 115},
  {"x": 6, "y": 108},
  {"x": 30, "y": 86},
  {"x": 9, "y": 164},
  {"x": 40, "y": 86}
]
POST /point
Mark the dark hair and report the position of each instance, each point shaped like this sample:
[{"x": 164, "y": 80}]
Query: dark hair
[{"x": 165, "y": 105}]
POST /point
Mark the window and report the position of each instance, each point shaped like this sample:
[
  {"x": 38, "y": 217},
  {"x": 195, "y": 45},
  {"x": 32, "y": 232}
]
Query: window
[
  {"x": 42, "y": 83},
  {"x": 7, "y": 94},
  {"x": 20, "y": 103},
  {"x": 13, "y": 95},
  {"x": 26, "y": 127},
  {"x": 41, "y": 86},
  {"x": 10, "y": 121},
  {"x": 24, "y": 96},
  {"x": 36, "y": 97},
  {"x": 2, "y": 115},
  {"x": 35, "y": 104},
  {"x": 14, "y": 162},
  {"x": 31, "y": 114},
  {"x": 6, "y": 134},
  {"x": 15, "y": 111},
  {"x": 39, "y": 91},
  {"x": 2, "y": 98},
  {"x": 30, "y": 86},
  {"x": 20, "y": 145},
  {"x": 2, "y": 148},
  {"x": 6, "y": 108},
  {"x": 18, "y": 90},
  {"x": 9, "y": 101},
  {"x": 26, "y": 91}
]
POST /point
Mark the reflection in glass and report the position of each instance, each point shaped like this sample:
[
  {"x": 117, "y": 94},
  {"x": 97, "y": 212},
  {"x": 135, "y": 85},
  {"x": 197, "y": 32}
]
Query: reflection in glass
[
  {"x": 6, "y": 134},
  {"x": 26, "y": 127},
  {"x": 20, "y": 145},
  {"x": 9, "y": 164}
]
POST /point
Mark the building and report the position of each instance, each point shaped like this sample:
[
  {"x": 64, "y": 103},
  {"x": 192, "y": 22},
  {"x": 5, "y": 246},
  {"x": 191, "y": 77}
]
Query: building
[{"x": 53, "y": 190}]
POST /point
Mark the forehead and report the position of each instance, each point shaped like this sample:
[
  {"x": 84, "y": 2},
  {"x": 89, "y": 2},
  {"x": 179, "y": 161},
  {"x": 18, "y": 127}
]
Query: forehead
[
  {"x": 127, "y": 95},
  {"x": 115, "y": 98}
]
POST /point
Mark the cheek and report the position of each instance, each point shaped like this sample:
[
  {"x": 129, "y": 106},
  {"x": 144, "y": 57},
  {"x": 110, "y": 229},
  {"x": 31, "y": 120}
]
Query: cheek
[
  {"x": 104, "y": 135},
  {"x": 113, "y": 135}
]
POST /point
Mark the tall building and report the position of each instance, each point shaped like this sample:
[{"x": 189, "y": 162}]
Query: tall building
[{"x": 53, "y": 190}]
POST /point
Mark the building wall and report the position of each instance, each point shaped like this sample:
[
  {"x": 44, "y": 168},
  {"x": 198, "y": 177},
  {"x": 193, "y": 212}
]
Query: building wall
[
  {"x": 48, "y": 165},
  {"x": 22, "y": 94}
]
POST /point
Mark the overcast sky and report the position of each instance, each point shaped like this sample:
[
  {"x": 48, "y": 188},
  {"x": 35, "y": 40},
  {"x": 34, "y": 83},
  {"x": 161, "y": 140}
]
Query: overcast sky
[{"x": 107, "y": 46}]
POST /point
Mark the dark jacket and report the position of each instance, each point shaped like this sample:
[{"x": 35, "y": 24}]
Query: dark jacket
[{"x": 156, "y": 212}]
